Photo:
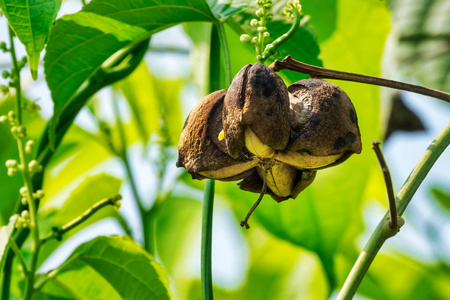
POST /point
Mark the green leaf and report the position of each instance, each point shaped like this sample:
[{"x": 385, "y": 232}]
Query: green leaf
[
  {"x": 115, "y": 263},
  {"x": 422, "y": 33},
  {"x": 79, "y": 44},
  {"x": 31, "y": 22},
  {"x": 89, "y": 192},
  {"x": 5, "y": 234},
  {"x": 442, "y": 196},
  {"x": 223, "y": 9},
  {"x": 155, "y": 105}
]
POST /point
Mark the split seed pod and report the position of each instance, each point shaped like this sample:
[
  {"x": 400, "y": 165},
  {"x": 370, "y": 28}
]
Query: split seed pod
[
  {"x": 256, "y": 111},
  {"x": 199, "y": 150},
  {"x": 274, "y": 138},
  {"x": 324, "y": 126}
]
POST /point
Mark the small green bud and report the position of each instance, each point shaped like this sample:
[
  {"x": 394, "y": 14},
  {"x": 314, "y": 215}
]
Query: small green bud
[
  {"x": 245, "y": 38},
  {"x": 29, "y": 146},
  {"x": 259, "y": 13},
  {"x": 269, "y": 17},
  {"x": 25, "y": 214},
  {"x": 39, "y": 194},
  {"x": 11, "y": 116},
  {"x": 23, "y": 191},
  {"x": 262, "y": 29},
  {"x": 117, "y": 206},
  {"x": 11, "y": 163},
  {"x": 34, "y": 167},
  {"x": 4, "y": 89},
  {"x": 24, "y": 201},
  {"x": 3, "y": 46},
  {"x": 254, "y": 23},
  {"x": 3, "y": 119},
  {"x": 20, "y": 65},
  {"x": 266, "y": 34},
  {"x": 12, "y": 172},
  {"x": 254, "y": 40},
  {"x": 5, "y": 74}
]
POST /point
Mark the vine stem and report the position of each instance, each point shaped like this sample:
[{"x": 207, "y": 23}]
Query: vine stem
[
  {"x": 26, "y": 176},
  {"x": 218, "y": 43},
  {"x": 58, "y": 232},
  {"x": 383, "y": 230},
  {"x": 291, "y": 64}
]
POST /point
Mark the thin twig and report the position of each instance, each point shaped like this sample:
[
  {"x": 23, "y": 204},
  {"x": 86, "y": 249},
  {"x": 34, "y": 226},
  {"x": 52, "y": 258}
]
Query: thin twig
[
  {"x": 255, "y": 205},
  {"x": 293, "y": 65},
  {"x": 388, "y": 181},
  {"x": 58, "y": 232}
]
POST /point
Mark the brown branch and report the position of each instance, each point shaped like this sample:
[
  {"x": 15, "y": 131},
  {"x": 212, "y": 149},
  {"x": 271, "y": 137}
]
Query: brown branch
[
  {"x": 387, "y": 179},
  {"x": 293, "y": 65},
  {"x": 255, "y": 205}
]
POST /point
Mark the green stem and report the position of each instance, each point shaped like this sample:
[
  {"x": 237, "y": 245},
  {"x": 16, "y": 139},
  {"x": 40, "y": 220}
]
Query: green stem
[
  {"x": 58, "y": 232},
  {"x": 26, "y": 176},
  {"x": 207, "y": 219},
  {"x": 226, "y": 55},
  {"x": 218, "y": 42},
  {"x": 19, "y": 255},
  {"x": 383, "y": 231},
  {"x": 285, "y": 37}
]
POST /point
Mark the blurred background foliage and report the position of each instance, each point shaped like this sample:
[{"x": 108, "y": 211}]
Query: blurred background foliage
[{"x": 297, "y": 249}]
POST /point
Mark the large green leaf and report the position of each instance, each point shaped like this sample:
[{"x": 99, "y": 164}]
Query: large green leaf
[
  {"x": 5, "y": 234},
  {"x": 79, "y": 44},
  {"x": 31, "y": 22},
  {"x": 115, "y": 268},
  {"x": 89, "y": 192},
  {"x": 421, "y": 30}
]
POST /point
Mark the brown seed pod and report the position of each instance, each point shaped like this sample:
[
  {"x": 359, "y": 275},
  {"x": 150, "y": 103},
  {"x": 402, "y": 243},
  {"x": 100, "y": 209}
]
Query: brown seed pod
[
  {"x": 257, "y": 100},
  {"x": 199, "y": 150},
  {"x": 324, "y": 126}
]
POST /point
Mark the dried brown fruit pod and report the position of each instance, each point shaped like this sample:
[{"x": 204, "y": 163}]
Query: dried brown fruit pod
[
  {"x": 256, "y": 104},
  {"x": 324, "y": 126},
  {"x": 199, "y": 150}
]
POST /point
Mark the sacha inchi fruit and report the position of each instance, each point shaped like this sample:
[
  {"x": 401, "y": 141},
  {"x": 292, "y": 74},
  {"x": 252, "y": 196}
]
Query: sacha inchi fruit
[{"x": 272, "y": 137}]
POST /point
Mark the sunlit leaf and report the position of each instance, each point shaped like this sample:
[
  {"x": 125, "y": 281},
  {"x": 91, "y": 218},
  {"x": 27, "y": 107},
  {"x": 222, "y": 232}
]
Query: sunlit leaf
[
  {"x": 5, "y": 234},
  {"x": 155, "y": 105},
  {"x": 224, "y": 9},
  {"x": 31, "y": 22},
  {"x": 116, "y": 264},
  {"x": 89, "y": 192}
]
